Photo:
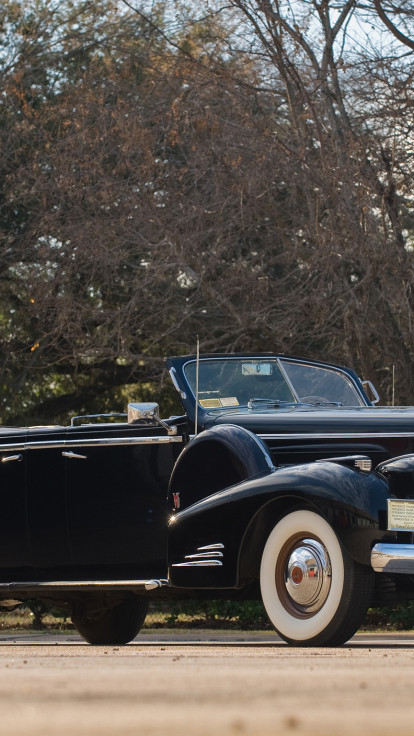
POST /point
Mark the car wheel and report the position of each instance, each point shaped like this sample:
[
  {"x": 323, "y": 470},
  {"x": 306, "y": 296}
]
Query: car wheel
[
  {"x": 313, "y": 592},
  {"x": 116, "y": 625}
]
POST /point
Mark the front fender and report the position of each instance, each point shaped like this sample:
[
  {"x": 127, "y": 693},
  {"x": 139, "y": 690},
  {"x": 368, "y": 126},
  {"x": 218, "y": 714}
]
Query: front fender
[{"x": 240, "y": 518}]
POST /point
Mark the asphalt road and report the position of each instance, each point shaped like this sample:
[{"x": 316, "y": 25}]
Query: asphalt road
[{"x": 201, "y": 684}]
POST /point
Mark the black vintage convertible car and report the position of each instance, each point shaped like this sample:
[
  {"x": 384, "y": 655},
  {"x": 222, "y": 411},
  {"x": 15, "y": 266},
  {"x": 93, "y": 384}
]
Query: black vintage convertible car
[{"x": 282, "y": 480}]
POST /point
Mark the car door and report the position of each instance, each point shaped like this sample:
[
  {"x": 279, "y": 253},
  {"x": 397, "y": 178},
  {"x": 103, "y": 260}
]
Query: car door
[
  {"x": 117, "y": 478},
  {"x": 46, "y": 503},
  {"x": 15, "y": 556}
]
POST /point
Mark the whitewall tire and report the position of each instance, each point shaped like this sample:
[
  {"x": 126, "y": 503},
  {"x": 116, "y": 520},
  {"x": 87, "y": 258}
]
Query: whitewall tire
[{"x": 313, "y": 592}]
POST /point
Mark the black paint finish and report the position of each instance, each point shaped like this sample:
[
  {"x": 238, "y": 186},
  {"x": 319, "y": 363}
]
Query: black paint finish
[
  {"x": 353, "y": 502},
  {"x": 15, "y": 555},
  {"x": 116, "y": 507},
  {"x": 93, "y": 503}
]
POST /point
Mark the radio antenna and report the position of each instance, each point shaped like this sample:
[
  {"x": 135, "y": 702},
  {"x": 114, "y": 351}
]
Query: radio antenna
[{"x": 196, "y": 391}]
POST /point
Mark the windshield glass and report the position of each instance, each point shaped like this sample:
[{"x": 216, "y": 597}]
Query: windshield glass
[
  {"x": 232, "y": 382},
  {"x": 313, "y": 383}
]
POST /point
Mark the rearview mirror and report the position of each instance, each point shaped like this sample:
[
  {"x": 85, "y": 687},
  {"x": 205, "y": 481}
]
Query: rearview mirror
[{"x": 256, "y": 369}]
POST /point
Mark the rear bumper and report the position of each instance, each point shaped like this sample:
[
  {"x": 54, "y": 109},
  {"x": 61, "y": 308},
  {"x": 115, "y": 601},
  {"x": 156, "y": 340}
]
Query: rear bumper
[{"x": 393, "y": 558}]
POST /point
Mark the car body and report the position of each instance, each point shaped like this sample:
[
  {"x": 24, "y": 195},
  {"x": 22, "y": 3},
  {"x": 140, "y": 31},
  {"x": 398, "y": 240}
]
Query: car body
[{"x": 282, "y": 480}]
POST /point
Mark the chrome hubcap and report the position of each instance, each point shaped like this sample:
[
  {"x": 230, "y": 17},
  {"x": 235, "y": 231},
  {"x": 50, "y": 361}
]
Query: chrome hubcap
[{"x": 307, "y": 576}]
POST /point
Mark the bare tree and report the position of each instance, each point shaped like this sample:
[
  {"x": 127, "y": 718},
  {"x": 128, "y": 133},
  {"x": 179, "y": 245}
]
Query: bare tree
[
  {"x": 243, "y": 177},
  {"x": 351, "y": 173}
]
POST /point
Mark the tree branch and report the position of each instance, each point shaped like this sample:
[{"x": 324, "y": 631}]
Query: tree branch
[{"x": 391, "y": 27}]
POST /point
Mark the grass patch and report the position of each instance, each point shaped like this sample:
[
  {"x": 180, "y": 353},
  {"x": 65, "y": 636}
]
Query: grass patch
[
  {"x": 393, "y": 618},
  {"x": 210, "y": 614},
  {"x": 23, "y": 619}
]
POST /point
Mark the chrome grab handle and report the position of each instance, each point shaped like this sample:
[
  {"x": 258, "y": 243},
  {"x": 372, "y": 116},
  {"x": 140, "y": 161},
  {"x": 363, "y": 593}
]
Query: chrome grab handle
[
  {"x": 12, "y": 458},
  {"x": 74, "y": 456}
]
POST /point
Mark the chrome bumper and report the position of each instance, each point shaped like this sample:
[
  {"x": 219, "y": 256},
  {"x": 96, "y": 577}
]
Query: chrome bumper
[{"x": 393, "y": 558}]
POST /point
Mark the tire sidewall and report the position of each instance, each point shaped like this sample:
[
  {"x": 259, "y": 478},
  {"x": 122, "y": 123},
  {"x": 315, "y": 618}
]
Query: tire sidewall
[
  {"x": 290, "y": 627},
  {"x": 116, "y": 625}
]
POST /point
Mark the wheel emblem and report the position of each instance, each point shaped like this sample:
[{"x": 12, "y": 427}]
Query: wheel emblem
[{"x": 296, "y": 575}]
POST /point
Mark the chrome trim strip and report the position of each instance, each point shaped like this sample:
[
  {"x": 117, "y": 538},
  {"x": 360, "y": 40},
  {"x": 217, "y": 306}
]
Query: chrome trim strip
[
  {"x": 112, "y": 415},
  {"x": 103, "y": 442},
  {"x": 203, "y": 555},
  {"x": 334, "y": 435},
  {"x": 199, "y": 563},
  {"x": 393, "y": 558},
  {"x": 68, "y": 585},
  {"x": 206, "y": 556},
  {"x": 364, "y": 464}
]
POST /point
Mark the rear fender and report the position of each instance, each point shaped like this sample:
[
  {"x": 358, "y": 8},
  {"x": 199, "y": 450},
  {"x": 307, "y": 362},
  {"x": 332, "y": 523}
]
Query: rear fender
[{"x": 216, "y": 459}]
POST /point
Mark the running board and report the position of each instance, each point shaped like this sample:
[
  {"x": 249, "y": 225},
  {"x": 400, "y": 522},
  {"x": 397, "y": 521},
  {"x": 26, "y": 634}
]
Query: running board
[{"x": 79, "y": 585}]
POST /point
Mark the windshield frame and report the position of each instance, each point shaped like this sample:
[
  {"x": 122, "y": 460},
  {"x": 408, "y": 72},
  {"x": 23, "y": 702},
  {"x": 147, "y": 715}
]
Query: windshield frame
[{"x": 282, "y": 363}]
